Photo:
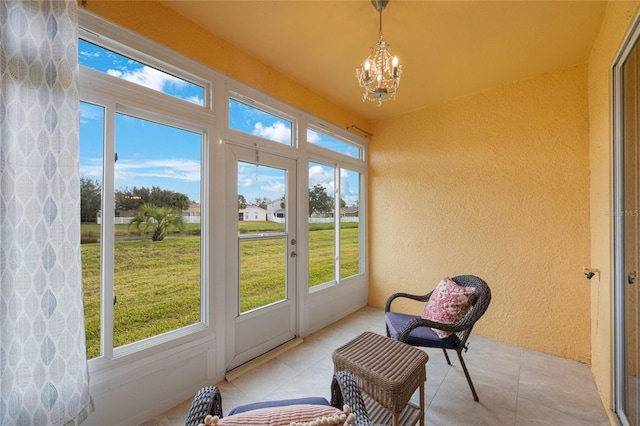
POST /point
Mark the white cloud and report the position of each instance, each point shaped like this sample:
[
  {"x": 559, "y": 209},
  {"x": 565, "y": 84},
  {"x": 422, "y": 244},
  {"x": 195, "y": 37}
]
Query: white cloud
[
  {"x": 92, "y": 168},
  {"x": 87, "y": 54},
  {"x": 180, "y": 169},
  {"x": 195, "y": 100},
  {"x": 276, "y": 132},
  {"x": 275, "y": 187},
  {"x": 147, "y": 77},
  {"x": 313, "y": 137},
  {"x": 245, "y": 182},
  {"x": 90, "y": 112},
  {"x": 347, "y": 193},
  {"x": 321, "y": 175}
]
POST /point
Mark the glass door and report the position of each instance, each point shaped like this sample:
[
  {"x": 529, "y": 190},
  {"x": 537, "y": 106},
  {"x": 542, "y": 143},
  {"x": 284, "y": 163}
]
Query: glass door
[
  {"x": 631, "y": 157},
  {"x": 263, "y": 259},
  {"x": 626, "y": 235}
]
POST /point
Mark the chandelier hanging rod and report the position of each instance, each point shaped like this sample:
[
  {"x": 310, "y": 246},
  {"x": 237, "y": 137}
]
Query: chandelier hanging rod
[{"x": 379, "y": 5}]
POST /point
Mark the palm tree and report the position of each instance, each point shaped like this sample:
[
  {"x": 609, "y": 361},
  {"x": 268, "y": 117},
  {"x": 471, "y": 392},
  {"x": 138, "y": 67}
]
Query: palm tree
[{"x": 157, "y": 220}]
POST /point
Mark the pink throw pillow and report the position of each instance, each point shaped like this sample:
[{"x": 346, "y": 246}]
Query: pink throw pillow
[
  {"x": 448, "y": 303},
  {"x": 285, "y": 416}
]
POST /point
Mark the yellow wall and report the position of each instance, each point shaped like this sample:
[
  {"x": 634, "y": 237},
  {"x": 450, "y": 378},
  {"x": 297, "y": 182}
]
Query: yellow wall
[
  {"x": 618, "y": 18},
  {"x": 497, "y": 185},
  {"x": 152, "y": 19}
]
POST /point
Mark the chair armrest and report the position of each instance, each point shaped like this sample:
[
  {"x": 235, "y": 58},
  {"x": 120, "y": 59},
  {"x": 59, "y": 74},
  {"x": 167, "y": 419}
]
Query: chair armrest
[
  {"x": 344, "y": 390},
  {"x": 417, "y": 297},
  {"x": 207, "y": 401}
]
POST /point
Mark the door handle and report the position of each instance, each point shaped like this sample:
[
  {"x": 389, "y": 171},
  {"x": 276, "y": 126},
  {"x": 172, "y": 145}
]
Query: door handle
[
  {"x": 631, "y": 278},
  {"x": 293, "y": 254}
]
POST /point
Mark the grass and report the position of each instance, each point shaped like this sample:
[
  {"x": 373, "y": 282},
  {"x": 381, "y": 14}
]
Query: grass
[{"x": 157, "y": 284}]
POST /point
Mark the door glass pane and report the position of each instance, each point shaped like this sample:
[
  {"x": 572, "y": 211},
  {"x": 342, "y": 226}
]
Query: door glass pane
[
  {"x": 322, "y": 255},
  {"x": 349, "y": 223},
  {"x": 263, "y": 264},
  {"x": 157, "y": 260},
  {"x": 261, "y": 199},
  {"x": 263, "y": 255},
  {"x": 632, "y": 251},
  {"x": 91, "y": 154}
]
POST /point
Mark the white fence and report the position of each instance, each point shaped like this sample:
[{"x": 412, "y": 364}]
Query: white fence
[
  {"x": 330, "y": 219},
  {"x": 196, "y": 219},
  {"x": 127, "y": 220}
]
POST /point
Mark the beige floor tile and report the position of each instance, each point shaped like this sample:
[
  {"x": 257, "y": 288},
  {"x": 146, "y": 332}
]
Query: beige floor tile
[{"x": 516, "y": 386}]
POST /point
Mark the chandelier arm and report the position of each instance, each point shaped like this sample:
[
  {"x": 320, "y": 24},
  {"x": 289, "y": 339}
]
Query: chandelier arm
[{"x": 379, "y": 74}]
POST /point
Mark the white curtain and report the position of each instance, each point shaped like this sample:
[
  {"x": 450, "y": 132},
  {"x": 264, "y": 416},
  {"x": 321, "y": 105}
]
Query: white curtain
[{"x": 44, "y": 378}]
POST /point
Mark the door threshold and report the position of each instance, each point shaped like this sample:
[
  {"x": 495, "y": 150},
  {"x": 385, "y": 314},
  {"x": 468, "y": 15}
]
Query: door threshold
[{"x": 265, "y": 357}]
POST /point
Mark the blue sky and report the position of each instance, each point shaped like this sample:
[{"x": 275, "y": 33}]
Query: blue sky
[{"x": 153, "y": 154}]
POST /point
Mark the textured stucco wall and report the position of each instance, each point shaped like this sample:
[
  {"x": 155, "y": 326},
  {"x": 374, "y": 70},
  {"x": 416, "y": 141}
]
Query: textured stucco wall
[
  {"x": 497, "y": 185},
  {"x": 616, "y": 24},
  {"x": 152, "y": 20}
]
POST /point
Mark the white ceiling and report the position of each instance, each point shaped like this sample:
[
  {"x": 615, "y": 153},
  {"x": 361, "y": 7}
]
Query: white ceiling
[{"x": 448, "y": 49}]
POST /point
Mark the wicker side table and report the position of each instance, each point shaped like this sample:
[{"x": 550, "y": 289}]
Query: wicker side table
[{"x": 388, "y": 372}]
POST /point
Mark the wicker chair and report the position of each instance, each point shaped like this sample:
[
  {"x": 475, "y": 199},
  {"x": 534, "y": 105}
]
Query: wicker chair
[
  {"x": 416, "y": 331},
  {"x": 207, "y": 401},
  {"x": 344, "y": 390}
]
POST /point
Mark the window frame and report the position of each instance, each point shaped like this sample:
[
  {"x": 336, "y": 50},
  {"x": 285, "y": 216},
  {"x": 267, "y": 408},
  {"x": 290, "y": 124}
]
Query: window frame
[
  {"x": 266, "y": 108},
  {"x": 323, "y": 156},
  {"x": 116, "y": 95},
  {"x": 150, "y": 56},
  {"x": 120, "y": 96}
]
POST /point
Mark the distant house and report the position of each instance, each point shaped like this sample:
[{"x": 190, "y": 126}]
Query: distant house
[
  {"x": 252, "y": 213},
  {"x": 193, "y": 210},
  {"x": 352, "y": 211},
  {"x": 275, "y": 211},
  {"x": 192, "y": 213}
]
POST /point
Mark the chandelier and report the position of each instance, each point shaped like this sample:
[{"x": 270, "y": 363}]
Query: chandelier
[{"x": 379, "y": 74}]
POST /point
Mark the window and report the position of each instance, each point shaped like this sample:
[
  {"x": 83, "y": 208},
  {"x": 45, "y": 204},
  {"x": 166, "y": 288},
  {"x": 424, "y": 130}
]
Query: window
[
  {"x": 145, "y": 159},
  {"x": 333, "y": 144},
  {"x": 142, "y": 164},
  {"x": 156, "y": 251},
  {"x": 116, "y": 65},
  {"x": 255, "y": 121},
  {"x": 334, "y": 224},
  {"x": 322, "y": 230},
  {"x": 91, "y": 171},
  {"x": 349, "y": 223}
]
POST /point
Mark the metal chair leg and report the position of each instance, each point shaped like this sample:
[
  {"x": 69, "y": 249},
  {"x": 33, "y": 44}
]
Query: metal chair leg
[
  {"x": 466, "y": 373},
  {"x": 446, "y": 356}
]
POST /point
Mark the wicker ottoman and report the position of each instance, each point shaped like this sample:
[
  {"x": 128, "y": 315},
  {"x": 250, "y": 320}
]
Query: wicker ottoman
[{"x": 388, "y": 372}]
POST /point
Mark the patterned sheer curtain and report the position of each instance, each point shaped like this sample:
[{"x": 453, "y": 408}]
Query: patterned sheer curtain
[{"x": 44, "y": 377}]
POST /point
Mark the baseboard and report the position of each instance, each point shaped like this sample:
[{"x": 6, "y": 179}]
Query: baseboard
[{"x": 231, "y": 375}]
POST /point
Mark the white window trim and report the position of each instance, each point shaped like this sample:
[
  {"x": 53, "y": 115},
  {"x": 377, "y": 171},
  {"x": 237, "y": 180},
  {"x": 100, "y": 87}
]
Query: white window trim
[{"x": 212, "y": 118}]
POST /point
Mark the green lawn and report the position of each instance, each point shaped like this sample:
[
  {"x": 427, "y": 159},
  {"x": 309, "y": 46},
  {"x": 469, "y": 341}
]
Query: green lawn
[{"x": 157, "y": 284}]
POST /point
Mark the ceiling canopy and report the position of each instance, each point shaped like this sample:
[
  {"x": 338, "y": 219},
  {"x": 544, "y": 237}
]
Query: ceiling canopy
[{"x": 448, "y": 49}]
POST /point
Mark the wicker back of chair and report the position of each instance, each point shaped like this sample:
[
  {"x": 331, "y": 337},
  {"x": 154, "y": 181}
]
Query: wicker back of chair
[
  {"x": 481, "y": 301},
  {"x": 207, "y": 401}
]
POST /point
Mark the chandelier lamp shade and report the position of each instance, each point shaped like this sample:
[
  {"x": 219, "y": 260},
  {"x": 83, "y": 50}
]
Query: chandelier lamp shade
[{"x": 379, "y": 74}]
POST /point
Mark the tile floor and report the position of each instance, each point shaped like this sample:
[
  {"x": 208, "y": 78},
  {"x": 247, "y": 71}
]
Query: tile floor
[{"x": 516, "y": 386}]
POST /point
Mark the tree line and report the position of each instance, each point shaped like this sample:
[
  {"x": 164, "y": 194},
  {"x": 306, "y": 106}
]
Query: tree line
[
  {"x": 132, "y": 199},
  {"x": 319, "y": 201},
  {"x": 127, "y": 199}
]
